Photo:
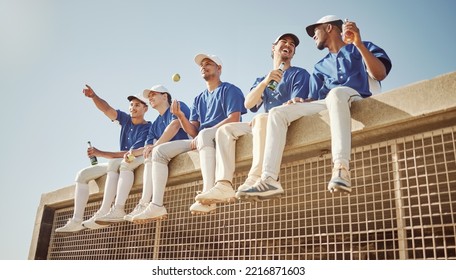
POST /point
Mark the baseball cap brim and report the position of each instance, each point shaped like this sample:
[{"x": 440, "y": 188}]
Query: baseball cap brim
[
  {"x": 331, "y": 19},
  {"x": 294, "y": 37},
  {"x": 131, "y": 97},
  {"x": 200, "y": 57},
  {"x": 156, "y": 88}
]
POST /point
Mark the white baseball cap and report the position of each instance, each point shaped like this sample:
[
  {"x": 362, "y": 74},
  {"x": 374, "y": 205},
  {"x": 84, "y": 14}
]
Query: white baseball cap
[
  {"x": 131, "y": 97},
  {"x": 199, "y": 58},
  {"x": 326, "y": 19},
  {"x": 294, "y": 37},
  {"x": 156, "y": 88}
]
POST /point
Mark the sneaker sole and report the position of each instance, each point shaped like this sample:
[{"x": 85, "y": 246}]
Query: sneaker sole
[
  {"x": 95, "y": 228},
  {"x": 70, "y": 232},
  {"x": 200, "y": 213},
  {"x": 256, "y": 197},
  {"x": 215, "y": 201},
  {"x": 333, "y": 187},
  {"x": 107, "y": 223},
  {"x": 145, "y": 221}
]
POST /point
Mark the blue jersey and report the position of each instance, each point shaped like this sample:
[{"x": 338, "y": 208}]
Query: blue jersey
[
  {"x": 162, "y": 121},
  {"x": 132, "y": 136},
  {"x": 346, "y": 68},
  {"x": 210, "y": 108},
  {"x": 294, "y": 83}
]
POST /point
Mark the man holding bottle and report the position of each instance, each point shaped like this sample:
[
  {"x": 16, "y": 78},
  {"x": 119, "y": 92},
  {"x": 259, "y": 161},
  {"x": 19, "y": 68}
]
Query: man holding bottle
[
  {"x": 133, "y": 134},
  {"x": 165, "y": 128},
  {"x": 282, "y": 84},
  {"x": 339, "y": 79}
]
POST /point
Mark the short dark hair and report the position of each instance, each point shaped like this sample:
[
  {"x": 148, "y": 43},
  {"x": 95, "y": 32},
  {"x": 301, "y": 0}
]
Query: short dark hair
[{"x": 170, "y": 99}]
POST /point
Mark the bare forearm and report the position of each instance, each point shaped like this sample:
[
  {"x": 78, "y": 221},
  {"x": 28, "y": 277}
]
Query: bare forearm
[
  {"x": 170, "y": 131},
  {"x": 234, "y": 117},
  {"x": 111, "y": 155},
  {"x": 374, "y": 66},
  {"x": 103, "y": 106},
  {"x": 254, "y": 96},
  {"x": 188, "y": 127}
]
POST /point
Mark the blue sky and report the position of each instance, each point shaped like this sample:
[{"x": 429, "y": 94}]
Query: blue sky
[{"x": 50, "y": 49}]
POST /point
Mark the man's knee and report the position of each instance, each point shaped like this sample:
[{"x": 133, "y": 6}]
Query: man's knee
[
  {"x": 226, "y": 131},
  {"x": 339, "y": 94},
  {"x": 206, "y": 138},
  {"x": 159, "y": 155}
]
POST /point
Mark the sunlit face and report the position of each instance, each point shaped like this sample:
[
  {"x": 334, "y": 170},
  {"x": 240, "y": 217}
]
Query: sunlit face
[
  {"x": 320, "y": 36},
  {"x": 209, "y": 69},
  {"x": 157, "y": 98},
  {"x": 285, "y": 48},
  {"x": 137, "y": 108}
]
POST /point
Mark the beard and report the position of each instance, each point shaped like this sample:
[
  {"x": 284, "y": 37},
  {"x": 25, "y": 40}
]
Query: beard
[
  {"x": 208, "y": 76},
  {"x": 321, "y": 45}
]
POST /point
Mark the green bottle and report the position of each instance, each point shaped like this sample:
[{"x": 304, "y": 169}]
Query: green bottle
[
  {"x": 93, "y": 159},
  {"x": 273, "y": 84}
]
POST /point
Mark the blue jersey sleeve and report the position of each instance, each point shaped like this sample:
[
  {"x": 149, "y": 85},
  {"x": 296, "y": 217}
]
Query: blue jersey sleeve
[
  {"x": 380, "y": 54},
  {"x": 234, "y": 100},
  {"x": 122, "y": 117},
  {"x": 300, "y": 84}
]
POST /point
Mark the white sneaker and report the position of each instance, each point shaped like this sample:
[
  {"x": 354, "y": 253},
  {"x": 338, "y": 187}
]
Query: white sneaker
[
  {"x": 91, "y": 224},
  {"x": 340, "y": 180},
  {"x": 71, "y": 226},
  {"x": 262, "y": 189},
  {"x": 200, "y": 209},
  {"x": 138, "y": 209},
  {"x": 221, "y": 192},
  {"x": 115, "y": 215},
  {"x": 250, "y": 181},
  {"x": 151, "y": 213}
]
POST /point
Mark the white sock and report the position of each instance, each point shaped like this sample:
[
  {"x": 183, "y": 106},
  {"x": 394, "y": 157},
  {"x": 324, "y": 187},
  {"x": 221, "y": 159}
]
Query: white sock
[
  {"x": 159, "y": 182},
  {"x": 207, "y": 162},
  {"x": 81, "y": 196},
  {"x": 147, "y": 183},
  {"x": 342, "y": 162},
  {"x": 126, "y": 179},
  {"x": 110, "y": 191}
]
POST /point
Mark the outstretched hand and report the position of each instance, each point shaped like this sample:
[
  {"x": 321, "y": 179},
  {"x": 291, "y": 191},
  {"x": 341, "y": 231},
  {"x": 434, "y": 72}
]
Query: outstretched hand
[{"x": 88, "y": 91}]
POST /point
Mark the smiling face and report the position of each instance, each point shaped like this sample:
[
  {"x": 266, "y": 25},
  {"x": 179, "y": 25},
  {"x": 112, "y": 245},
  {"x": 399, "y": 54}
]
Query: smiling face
[
  {"x": 321, "y": 36},
  {"x": 156, "y": 99},
  {"x": 284, "y": 49},
  {"x": 137, "y": 108}
]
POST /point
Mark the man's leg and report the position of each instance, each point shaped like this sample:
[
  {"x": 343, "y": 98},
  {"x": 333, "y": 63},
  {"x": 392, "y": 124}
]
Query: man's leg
[
  {"x": 146, "y": 192},
  {"x": 81, "y": 196},
  {"x": 124, "y": 185},
  {"x": 161, "y": 156},
  {"x": 226, "y": 137},
  {"x": 109, "y": 194},
  {"x": 339, "y": 102},
  {"x": 258, "y": 126},
  {"x": 278, "y": 121}
]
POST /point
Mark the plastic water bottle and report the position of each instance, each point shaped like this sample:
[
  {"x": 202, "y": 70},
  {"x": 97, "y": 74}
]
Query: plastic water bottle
[{"x": 93, "y": 159}]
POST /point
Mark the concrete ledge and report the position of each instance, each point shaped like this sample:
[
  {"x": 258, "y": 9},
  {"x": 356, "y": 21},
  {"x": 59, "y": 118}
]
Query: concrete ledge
[{"x": 400, "y": 112}]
